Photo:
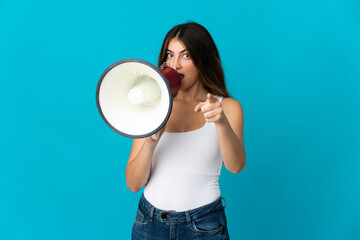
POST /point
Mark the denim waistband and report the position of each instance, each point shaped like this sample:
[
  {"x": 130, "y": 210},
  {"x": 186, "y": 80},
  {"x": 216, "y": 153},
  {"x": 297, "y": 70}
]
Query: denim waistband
[{"x": 186, "y": 216}]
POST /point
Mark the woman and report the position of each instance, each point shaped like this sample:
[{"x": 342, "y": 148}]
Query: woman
[{"x": 181, "y": 169}]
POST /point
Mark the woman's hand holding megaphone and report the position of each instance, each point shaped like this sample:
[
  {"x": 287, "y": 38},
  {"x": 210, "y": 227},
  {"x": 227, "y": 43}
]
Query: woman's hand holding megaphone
[
  {"x": 212, "y": 109},
  {"x": 156, "y": 136}
]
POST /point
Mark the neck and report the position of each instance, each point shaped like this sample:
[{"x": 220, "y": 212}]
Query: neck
[{"x": 196, "y": 92}]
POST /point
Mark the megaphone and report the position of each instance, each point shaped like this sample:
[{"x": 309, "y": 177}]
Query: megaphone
[{"x": 135, "y": 98}]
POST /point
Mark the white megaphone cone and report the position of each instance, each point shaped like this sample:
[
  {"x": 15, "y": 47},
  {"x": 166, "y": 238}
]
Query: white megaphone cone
[
  {"x": 147, "y": 91},
  {"x": 134, "y": 97}
]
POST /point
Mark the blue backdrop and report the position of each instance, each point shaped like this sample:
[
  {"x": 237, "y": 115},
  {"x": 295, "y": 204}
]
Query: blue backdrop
[{"x": 294, "y": 65}]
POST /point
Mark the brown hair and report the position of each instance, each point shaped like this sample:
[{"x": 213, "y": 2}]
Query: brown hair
[{"x": 203, "y": 52}]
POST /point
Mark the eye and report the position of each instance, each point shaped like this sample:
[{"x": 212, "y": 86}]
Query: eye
[
  {"x": 169, "y": 55},
  {"x": 187, "y": 56}
]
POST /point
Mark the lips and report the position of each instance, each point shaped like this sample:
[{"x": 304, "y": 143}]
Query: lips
[{"x": 181, "y": 75}]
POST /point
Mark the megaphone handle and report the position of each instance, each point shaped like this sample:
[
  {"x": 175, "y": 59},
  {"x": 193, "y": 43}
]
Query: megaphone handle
[{"x": 155, "y": 136}]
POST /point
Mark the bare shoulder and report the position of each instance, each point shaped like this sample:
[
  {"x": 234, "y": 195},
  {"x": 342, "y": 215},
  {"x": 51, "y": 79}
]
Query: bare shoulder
[{"x": 232, "y": 107}]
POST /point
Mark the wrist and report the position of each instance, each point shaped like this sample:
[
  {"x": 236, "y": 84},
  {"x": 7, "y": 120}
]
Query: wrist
[
  {"x": 222, "y": 121},
  {"x": 151, "y": 142}
]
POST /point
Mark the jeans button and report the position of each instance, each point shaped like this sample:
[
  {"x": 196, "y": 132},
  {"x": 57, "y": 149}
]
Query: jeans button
[{"x": 164, "y": 215}]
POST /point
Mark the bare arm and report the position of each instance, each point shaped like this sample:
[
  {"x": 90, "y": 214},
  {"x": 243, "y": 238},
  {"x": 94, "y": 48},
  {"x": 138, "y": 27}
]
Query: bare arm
[
  {"x": 139, "y": 163},
  {"x": 229, "y": 121}
]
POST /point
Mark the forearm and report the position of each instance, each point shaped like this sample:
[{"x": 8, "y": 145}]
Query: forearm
[
  {"x": 138, "y": 169},
  {"x": 231, "y": 147}
]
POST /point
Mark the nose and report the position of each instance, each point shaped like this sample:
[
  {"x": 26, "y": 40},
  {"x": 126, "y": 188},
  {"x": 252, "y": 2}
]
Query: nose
[{"x": 175, "y": 63}]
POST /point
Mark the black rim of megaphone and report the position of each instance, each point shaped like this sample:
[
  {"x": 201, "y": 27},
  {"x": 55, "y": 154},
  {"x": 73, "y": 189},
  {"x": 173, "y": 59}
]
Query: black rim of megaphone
[{"x": 154, "y": 68}]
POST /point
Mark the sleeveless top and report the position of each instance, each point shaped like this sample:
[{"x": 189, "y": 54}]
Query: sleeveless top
[{"x": 185, "y": 170}]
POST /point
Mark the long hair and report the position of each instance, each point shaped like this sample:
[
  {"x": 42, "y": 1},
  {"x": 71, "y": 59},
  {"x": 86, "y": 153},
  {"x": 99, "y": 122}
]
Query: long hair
[{"x": 203, "y": 52}]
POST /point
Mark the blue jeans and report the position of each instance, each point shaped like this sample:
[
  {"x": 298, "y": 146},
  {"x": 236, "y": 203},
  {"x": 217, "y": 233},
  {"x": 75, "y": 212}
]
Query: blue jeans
[{"x": 206, "y": 222}]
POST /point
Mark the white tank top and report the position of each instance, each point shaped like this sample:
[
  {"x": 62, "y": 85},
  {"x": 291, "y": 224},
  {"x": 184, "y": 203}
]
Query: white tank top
[{"x": 185, "y": 170}]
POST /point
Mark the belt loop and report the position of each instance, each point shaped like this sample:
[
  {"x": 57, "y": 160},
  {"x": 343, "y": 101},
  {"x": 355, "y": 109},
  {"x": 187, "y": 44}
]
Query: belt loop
[
  {"x": 188, "y": 218},
  {"x": 224, "y": 201},
  {"x": 152, "y": 213}
]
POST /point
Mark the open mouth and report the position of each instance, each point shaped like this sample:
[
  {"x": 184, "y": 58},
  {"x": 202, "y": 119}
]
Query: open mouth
[{"x": 182, "y": 75}]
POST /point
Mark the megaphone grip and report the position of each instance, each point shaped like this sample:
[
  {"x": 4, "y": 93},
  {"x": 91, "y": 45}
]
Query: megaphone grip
[{"x": 155, "y": 136}]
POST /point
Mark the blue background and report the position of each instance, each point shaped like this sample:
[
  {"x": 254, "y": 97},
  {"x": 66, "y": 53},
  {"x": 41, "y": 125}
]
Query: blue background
[{"x": 294, "y": 66}]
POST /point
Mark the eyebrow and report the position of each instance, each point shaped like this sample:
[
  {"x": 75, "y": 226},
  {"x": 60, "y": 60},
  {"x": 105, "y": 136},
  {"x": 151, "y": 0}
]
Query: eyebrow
[{"x": 185, "y": 50}]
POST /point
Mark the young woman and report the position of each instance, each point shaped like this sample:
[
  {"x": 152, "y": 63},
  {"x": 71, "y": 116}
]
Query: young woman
[{"x": 181, "y": 169}]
